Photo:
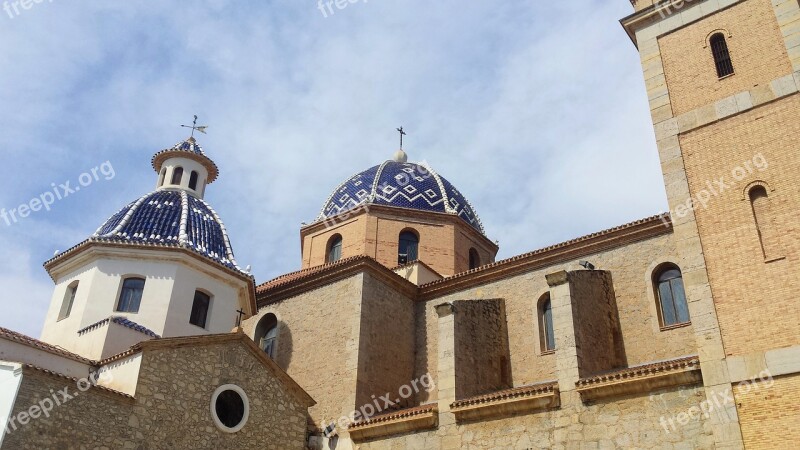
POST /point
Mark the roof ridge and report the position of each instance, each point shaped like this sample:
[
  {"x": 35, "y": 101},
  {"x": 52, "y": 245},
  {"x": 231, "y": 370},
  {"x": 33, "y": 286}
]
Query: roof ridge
[
  {"x": 41, "y": 345},
  {"x": 291, "y": 276}
]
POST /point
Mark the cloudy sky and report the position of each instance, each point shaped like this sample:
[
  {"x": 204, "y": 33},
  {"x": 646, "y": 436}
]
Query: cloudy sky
[{"x": 535, "y": 110}]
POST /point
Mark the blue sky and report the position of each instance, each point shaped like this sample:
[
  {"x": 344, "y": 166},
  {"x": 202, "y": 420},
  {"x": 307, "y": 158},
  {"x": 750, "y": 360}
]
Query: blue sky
[{"x": 535, "y": 110}]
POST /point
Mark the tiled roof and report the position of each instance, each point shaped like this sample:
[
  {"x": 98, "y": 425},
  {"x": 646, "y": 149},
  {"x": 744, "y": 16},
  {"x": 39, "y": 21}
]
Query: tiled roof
[
  {"x": 507, "y": 394},
  {"x": 394, "y": 415},
  {"x": 305, "y": 273},
  {"x": 189, "y": 148},
  {"x": 174, "y": 218},
  {"x": 61, "y": 375},
  {"x": 400, "y": 184},
  {"x": 685, "y": 362},
  {"x": 660, "y": 220},
  {"x": 120, "y": 321},
  {"x": 35, "y": 343}
]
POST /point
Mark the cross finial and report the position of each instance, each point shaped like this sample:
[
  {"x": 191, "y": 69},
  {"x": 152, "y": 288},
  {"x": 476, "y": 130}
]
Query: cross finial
[
  {"x": 239, "y": 318},
  {"x": 402, "y": 133},
  {"x": 194, "y": 126}
]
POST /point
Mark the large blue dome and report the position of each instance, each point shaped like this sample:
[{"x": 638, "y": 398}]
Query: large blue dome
[
  {"x": 172, "y": 218},
  {"x": 404, "y": 185}
]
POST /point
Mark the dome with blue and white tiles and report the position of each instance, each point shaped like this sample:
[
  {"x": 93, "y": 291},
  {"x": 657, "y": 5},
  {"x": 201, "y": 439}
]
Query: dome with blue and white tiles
[{"x": 401, "y": 184}]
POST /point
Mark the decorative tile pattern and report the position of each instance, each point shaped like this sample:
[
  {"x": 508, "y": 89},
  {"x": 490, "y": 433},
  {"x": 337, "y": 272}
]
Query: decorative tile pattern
[
  {"x": 405, "y": 185},
  {"x": 172, "y": 217}
]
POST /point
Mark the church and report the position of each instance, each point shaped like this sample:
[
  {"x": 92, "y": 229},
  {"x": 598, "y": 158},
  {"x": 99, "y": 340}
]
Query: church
[{"x": 402, "y": 330}]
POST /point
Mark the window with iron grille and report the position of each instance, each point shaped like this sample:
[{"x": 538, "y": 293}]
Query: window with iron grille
[{"x": 722, "y": 57}]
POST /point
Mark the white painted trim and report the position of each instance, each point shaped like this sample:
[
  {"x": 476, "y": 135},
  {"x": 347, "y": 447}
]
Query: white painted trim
[{"x": 245, "y": 400}]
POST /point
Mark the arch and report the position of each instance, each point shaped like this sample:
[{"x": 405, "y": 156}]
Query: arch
[
  {"x": 474, "y": 259},
  {"x": 721, "y": 54},
  {"x": 161, "y": 176},
  {"x": 177, "y": 176},
  {"x": 266, "y": 335},
  {"x": 673, "y": 309},
  {"x": 761, "y": 204},
  {"x": 130, "y": 296},
  {"x": 408, "y": 246},
  {"x": 333, "y": 251},
  {"x": 193, "y": 180},
  {"x": 544, "y": 313}
]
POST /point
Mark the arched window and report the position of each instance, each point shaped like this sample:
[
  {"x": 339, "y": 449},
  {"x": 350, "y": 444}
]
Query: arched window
[
  {"x": 474, "y": 259},
  {"x": 193, "y": 180},
  {"x": 200, "y": 307},
  {"x": 334, "y": 249},
  {"x": 267, "y": 334},
  {"x": 69, "y": 300},
  {"x": 409, "y": 247},
  {"x": 671, "y": 295},
  {"x": 161, "y": 176},
  {"x": 762, "y": 213},
  {"x": 547, "y": 335},
  {"x": 177, "y": 176},
  {"x": 722, "y": 58},
  {"x": 130, "y": 298}
]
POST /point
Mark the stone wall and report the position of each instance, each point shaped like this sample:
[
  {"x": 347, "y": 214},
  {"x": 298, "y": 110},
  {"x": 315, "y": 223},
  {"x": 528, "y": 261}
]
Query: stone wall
[
  {"x": 596, "y": 323},
  {"x": 171, "y": 408},
  {"x": 481, "y": 347},
  {"x": 318, "y": 343},
  {"x": 631, "y": 267},
  {"x": 641, "y": 422}
]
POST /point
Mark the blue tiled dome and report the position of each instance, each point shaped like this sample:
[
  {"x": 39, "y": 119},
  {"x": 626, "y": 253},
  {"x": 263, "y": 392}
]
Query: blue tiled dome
[
  {"x": 171, "y": 217},
  {"x": 401, "y": 184}
]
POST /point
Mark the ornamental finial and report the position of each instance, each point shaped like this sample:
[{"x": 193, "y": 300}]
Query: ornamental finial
[{"x": 194, "y": 126}]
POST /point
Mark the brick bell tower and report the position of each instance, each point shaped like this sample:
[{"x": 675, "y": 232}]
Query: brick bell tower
[{"x": 722, "y": 79}]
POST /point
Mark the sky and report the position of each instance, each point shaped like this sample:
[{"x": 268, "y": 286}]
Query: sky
[{"x": 535, "y": 110}]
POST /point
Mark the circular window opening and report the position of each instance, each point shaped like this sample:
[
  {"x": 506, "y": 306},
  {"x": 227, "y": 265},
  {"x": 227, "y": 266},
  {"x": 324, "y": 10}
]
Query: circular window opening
[{"x": 230, "y": 408}]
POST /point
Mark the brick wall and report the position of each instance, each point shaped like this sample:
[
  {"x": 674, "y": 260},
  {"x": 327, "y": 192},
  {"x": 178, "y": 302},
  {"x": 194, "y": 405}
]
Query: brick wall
[
  {"x": 769, "y": 412},
  {"x": 756, "y": 47},
  {"x": 746, "y": 286}
]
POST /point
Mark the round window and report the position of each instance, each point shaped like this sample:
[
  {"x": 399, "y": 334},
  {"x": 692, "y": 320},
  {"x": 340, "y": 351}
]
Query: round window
[{"x": 230, "y": 408}]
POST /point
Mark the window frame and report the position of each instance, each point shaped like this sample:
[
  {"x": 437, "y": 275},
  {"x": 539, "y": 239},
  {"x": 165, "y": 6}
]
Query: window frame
[
  {"x": 474, "y": 259},
  {"x": 193, "y": 179},
  {"x": 657, "y": 281},
  {"x": 118, "y": 307},
  {"x": 69, "y": 301},
  {"x": 266, "y": 326},
  {"x": 720, "y": 52},
  {"x": 334, "y": 240},
  {"x": 208, "y": 299},
  {"x": 177, "y": 176},
  {"x": 545, "y": 326},
  {"x": 408, "y": 255}
]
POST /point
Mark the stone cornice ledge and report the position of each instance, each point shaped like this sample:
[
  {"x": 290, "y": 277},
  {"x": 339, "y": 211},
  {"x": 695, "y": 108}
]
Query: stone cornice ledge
[
  {"x": 524, "y": 399},
  {"x": 641, "y": 379},
  {"x": 403, "y": 421}
]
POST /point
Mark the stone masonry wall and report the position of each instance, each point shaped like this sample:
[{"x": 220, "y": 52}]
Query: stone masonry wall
[
  {"x": 641, "y": 422},
  {"x": 631, "y": 267},
  {"x": 481, "y": 348}
]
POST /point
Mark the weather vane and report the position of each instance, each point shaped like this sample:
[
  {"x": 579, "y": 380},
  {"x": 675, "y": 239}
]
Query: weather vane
[
  {"x": 402, "y": 133},
  {"x": 201, "y": 128}
]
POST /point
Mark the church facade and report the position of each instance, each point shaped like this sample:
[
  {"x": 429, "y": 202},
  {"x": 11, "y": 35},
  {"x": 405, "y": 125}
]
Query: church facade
[{"x": 402, "y": 330}]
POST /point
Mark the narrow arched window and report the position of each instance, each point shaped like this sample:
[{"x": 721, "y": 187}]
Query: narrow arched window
[
  {"x": 722, "y": 57},
  {"x": 130, "y": 297},
  {"x": 334, "y": 249},
  {"x": 267, "y": 335},
  {"x": 200, "y": 307},
  {"x": 671, "y": 296},
  {"x": 193, "y": 180},
  {"x": 547, "y": 335},
  {"x": 409, "y": 247},
  {"x": 177, "y": 176},
  {"x": 762, "y": 213},
  {"x": 161, "y": 176},
  {"x": 69, "y": 301},
  {"x": 474, "y": 259}
]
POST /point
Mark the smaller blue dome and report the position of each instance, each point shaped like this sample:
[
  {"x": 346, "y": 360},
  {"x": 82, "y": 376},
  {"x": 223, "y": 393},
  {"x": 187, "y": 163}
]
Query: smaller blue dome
[
  {"x": 401, "y": 184},
  {"x": 171, "y": 217}
]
